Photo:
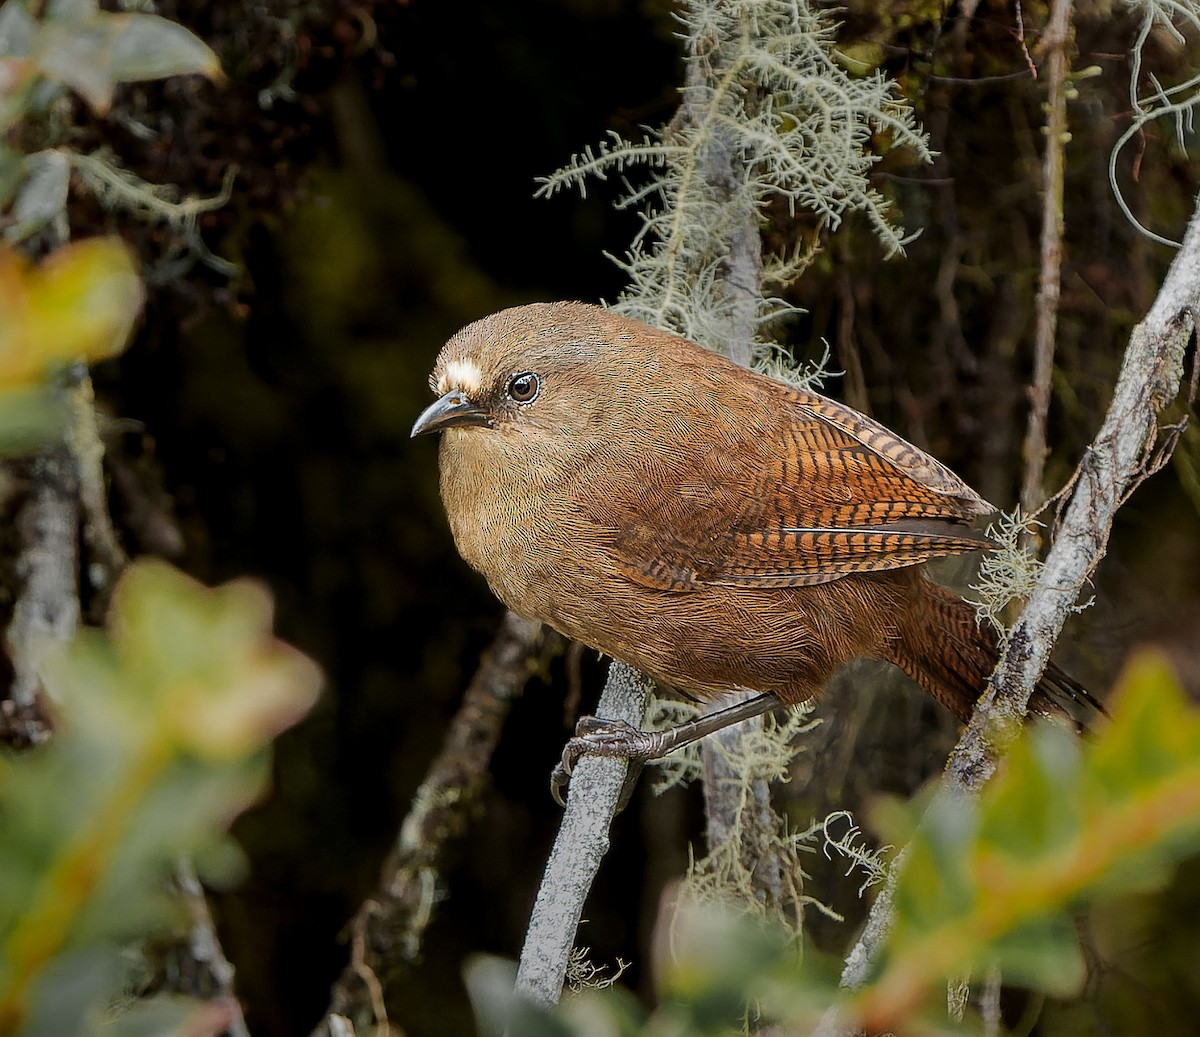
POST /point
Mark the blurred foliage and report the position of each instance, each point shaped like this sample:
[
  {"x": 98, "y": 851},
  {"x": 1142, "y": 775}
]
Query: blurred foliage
[
  {"x": 992, "y": 882},
  {"x": 78, "y": 305},
  {"x": 1064, "y": 823},
  {"x": 79, "y": 46},
  {"x": 49, "y": 48},
  {"x": 165, "y": 720}
]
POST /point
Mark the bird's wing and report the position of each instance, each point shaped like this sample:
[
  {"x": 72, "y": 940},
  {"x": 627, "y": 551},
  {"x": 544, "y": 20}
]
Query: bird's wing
[{"x": 804, "y": 495}]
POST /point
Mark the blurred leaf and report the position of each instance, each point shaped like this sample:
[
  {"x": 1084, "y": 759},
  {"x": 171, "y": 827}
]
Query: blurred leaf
[
  {"x": 17, "y": 30},
  {"x": 70, "y": 8},
  {"x": 1043, "y": 954},
  {"x": 12, "y": 167},
  {"x": 93, "y": 51},
  {"x": 168, "y": 1016},
  {"x": 164, "y": 722},
  {"x": 79, "y": 304},
  {"x": 1033, "y": 815},
  {"x": 498, "y": 1010},
  {"x": 995, "y": 880},
  {"x": 226, "y": 684},
  {"x": 68, "y": 992},
  {"x": 17, "y": 76},
  {"x": 42, "y": 196},
  {"x": 150, "y": 47},
  {"x": 29, "y": 418}
]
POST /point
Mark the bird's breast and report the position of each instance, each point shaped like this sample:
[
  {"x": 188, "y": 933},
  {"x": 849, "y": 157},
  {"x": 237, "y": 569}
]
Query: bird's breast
[{"x": 515, "y": 520}]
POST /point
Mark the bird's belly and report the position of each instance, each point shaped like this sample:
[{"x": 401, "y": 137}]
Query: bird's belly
[{"x": 712, "y": 640}]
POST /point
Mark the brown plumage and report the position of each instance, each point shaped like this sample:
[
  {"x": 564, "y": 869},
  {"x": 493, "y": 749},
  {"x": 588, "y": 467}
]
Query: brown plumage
[{"x": 714, "y": 528}]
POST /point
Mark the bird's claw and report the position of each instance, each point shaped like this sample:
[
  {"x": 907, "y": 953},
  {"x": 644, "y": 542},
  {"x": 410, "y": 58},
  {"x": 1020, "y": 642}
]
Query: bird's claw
[{"x": 596, "y": 737}]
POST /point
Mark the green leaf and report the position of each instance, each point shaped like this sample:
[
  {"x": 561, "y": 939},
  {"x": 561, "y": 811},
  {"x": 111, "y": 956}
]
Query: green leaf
[
  {"x": 17, "y": 81},
  {"x": 1042, "y": 954},
  {"x": 206, "y": 660},
  {"x": 29, "y": 418},
  {"x": 1038, "y": 807},
  {"x": 91, "y": 822},
  {"x": 67, "y": 992}
]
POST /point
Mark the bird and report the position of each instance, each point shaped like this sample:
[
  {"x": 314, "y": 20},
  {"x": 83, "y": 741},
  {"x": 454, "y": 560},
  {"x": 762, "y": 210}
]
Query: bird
[{"x": 715, "y": 528}]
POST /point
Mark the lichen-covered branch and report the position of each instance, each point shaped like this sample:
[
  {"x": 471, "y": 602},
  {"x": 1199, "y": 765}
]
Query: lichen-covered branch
[
  {"x": 766, "y": 113},
  {"x": 766, "y": 100},
  {"x": 1126, "y": 451}
]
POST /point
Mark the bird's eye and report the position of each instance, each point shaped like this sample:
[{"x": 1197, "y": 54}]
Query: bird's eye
[{"x": 524, "y": 387}]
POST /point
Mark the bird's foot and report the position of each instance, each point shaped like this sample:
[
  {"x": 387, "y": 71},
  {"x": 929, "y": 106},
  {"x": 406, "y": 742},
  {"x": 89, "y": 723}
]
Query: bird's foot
[
  {"x": 614, "y": 738},
  {"x": 617, "y": 738}
]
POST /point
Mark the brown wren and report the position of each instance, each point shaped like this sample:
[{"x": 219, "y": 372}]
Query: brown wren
[{"x": 712, "y": 527}]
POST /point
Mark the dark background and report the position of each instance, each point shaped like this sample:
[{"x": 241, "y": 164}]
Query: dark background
[{"x": 383, "y": 200}]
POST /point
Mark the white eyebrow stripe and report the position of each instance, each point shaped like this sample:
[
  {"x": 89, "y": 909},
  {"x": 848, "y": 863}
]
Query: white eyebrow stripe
[{"x": 461, "y": 374}]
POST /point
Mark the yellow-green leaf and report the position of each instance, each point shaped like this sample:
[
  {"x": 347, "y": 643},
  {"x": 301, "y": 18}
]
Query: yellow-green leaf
[{"x": 79, "y": 304}]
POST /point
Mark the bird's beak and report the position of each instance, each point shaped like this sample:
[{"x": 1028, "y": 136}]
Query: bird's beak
[{"x": 452, "y": 409}]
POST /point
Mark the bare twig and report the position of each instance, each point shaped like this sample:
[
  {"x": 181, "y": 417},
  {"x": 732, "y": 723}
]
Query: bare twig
[
  {"x": 83, "y": 439},
  {"x": 386, "y": 933},
  {"x": 580, "y": 846},
  {"x": 1056, "y": 43},
  {"x": 732, "y": 811},
  {"x": 989, "y": 1003},
  {"x": 879, "y": 924}
]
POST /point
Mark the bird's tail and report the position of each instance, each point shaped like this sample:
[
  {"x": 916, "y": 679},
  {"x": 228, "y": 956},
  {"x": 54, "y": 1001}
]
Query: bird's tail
[{"x": 951, "y": 656}]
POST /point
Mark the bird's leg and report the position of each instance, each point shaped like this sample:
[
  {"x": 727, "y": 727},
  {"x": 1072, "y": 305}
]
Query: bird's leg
[{"x": 599, "y": 737}]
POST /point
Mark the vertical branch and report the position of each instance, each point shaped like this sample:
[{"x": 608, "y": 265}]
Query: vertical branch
[
  {"x": 721, "y": 173},
  {"x": 83, "y": 439},
  {"x": 580, "y": 846},
  {"x": 203, "y": 951},
  {"x": 767, "y": 112},
  {"x": 1056, "y": 43}
]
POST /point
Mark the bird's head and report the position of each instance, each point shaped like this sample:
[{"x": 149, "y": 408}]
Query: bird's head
[{"x": 527, "y": 368}]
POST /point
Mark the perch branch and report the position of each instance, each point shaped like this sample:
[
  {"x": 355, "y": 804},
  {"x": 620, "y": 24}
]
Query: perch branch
[{"x": 580, "y": 846}]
